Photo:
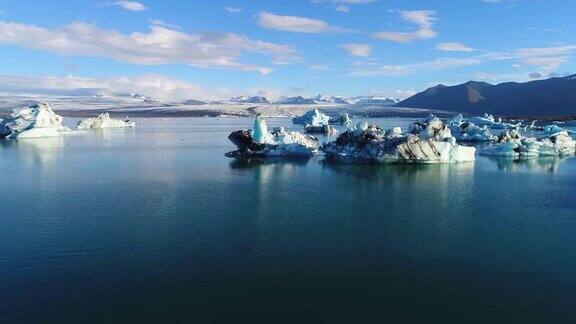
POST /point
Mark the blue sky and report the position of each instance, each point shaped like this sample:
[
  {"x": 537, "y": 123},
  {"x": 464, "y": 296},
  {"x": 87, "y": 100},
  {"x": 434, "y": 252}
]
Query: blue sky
[{"x": 208, "y": 49}]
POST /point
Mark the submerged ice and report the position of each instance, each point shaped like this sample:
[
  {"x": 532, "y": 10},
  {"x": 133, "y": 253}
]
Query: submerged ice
[{"x": 35, "y": 121}]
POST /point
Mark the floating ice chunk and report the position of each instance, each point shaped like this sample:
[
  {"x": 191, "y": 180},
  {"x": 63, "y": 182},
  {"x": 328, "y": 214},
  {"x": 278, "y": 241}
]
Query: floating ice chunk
[
  {"x": 486, "y": 120},
  {"x": 312, "y": 117},
  {"x": 512, "y": 144},
  {"x": 553, "y": 129},
  {"x": 467, "y": 131},
  {"x": 361, "y": 126},
  {"x": 35, "y": 121},
  {"x": 278, "y": 143},
  {"x": 260, "y": 133},
  {"x": 394, "y": 131},
  {"x": 456, "y": 120},
  {"x": 104, "y": 121},
  {"x": 373, "y": 145},
  {"x": 431, "y": 128},
  {"x": 343, "y": 119}
]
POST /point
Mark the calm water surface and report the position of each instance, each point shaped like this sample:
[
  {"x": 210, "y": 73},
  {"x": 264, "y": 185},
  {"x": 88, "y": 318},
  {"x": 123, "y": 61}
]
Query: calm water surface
[{"x": 156, "y": 225}]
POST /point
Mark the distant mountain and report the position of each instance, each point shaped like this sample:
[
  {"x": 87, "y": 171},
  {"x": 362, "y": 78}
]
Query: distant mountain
[
  {"x": 296, "y": 101},
  {"x": 554, "y": 96},
  {"x": 250, "y": 99},
  {"x": 373, "y": 100},
  {"x": 323, "y": 98}
]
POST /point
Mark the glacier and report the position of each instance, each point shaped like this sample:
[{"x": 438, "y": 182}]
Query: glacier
[
  {"x": 428, "y": 142},
  {"x": 103, "y": 121},
  {"x": 259, "y": 142},
  {"x": 38, "y": 120}
]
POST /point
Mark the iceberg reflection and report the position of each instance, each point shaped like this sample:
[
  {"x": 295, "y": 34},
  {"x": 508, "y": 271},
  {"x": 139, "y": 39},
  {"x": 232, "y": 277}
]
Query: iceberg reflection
[{"x": 537, "y": 164}]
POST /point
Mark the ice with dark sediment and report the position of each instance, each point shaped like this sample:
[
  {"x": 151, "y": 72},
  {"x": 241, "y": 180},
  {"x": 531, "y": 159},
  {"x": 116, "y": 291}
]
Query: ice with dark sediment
[
  {"x": 259, "y": 142},
  {"x": 36, "y": 121},
  {"x": 428, "y": 142},
  {"x": 512, "y": 144}
]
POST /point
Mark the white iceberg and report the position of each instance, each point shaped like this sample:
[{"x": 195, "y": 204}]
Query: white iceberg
[
  {"x": 371, "y": 144},
  {"x": 553, "y": 129},
  {"x": 279, "y": 143},
  {"x": 486, "y": 120},
  {"x": 512, "y": 144},
  {"x": 456, "y": 120},
  {"x": 35, "y": 121},
  {"x": 431, "y": 128},
  {"x": 312, "y": 117},
  {"x": 469, "y": 132},
  {"x": 104, "y": 121}
]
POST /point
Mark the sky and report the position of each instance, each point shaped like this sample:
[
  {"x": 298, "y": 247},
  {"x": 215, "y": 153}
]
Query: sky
[{"x": 199, "y": 49}]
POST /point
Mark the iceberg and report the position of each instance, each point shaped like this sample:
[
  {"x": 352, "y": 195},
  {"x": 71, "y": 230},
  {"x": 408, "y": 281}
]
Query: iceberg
[
  {"x": 431, "y": 128},
  {"x": 104, "y": 121},
  {"x": 467, "y": 131},
  {"x": 553, "y": 129},
  {"x": 35, "y": 121},
  {"x": 318, "y": 122},
  {"x": 371, "y": 144},
  {"x": 343, "y": 119},
  {"x": 312, "y": 117},
  {"x": 486, "y": 120},
  {"x": 259, "y": 142},
  {"x": 512, "y": 144}
]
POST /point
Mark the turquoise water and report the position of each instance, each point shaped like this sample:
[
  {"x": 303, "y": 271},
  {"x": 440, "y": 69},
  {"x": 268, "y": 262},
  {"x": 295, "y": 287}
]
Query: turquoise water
[{"x": 156, "y": 225}]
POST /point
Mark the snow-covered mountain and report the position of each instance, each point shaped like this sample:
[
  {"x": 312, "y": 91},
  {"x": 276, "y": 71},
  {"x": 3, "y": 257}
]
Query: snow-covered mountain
[
  {"x": 250, "y": 99},
  {"x": 324, "y": 98},
  {"x": 296, "y": 101},
  {"x": 373, "y": 100}
]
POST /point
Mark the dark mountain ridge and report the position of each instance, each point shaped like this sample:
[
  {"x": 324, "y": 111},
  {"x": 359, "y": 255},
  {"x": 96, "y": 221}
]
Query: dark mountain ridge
[{"x": 549, "y": 97}]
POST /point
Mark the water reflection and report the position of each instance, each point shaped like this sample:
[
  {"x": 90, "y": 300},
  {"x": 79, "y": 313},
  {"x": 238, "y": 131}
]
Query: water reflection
[
  {"x": 535, "y": 164},
  {"x": 41, "y": 152},
  {"x": 255, "y": 162}
]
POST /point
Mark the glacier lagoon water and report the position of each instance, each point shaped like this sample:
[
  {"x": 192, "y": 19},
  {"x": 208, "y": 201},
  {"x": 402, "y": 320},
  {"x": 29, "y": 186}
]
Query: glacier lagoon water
[{"x": 156, "y": 225}]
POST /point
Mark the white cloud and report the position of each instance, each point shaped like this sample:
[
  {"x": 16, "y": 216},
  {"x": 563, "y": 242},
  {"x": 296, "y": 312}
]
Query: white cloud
[
  {"x": 453, "y": 47},
  {"x": 162, "y": 23},
  {"x": 159, "y": 46},
  {"x": 356, "y": 49},
  {"x": 296, "y": 24},
  {"x": 423, "y": 18},
  {"x": 130, "y": 5},
  {"x": 157, "y": 86},
  {"x": 319, "y": 67},
  {"x": 233, "y": 9},
  {"x": 547, "y": 59},
  {"x": 547, "y": 64},
  {"x": 343, "y": 5},
  {"x": 376, "y": 68}
]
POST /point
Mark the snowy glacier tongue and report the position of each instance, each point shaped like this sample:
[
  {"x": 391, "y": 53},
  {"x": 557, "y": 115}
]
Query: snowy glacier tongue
[{"x": 35, "y": 121}]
